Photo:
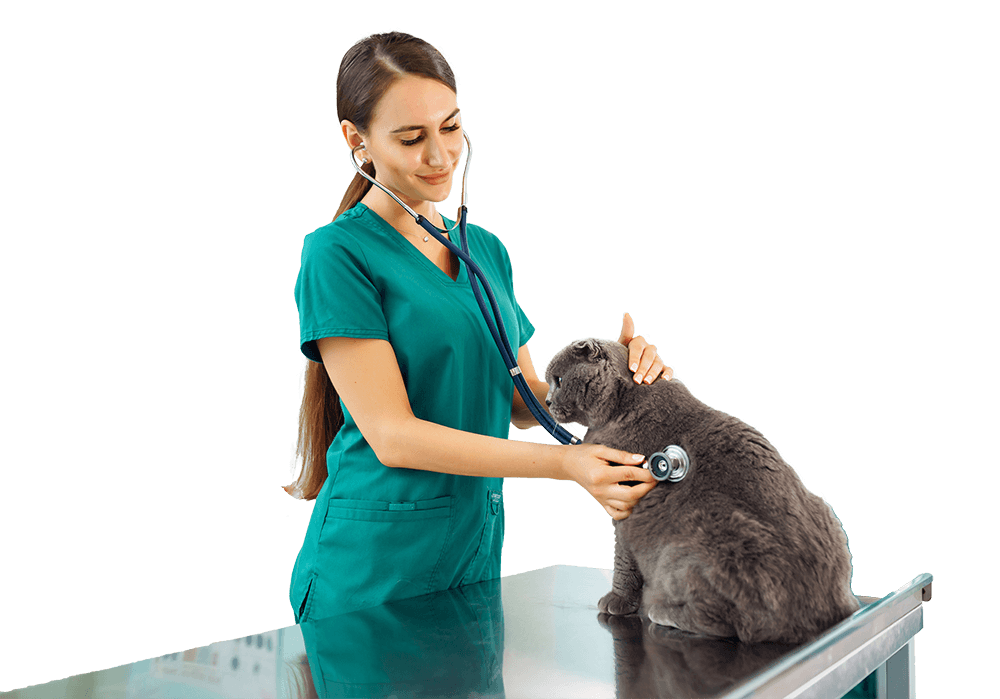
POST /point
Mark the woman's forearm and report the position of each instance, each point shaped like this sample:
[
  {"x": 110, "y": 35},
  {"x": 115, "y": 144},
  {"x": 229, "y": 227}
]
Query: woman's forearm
[
  {"x": 427, "y": 446},
  {"x": 521, "y": 416}
]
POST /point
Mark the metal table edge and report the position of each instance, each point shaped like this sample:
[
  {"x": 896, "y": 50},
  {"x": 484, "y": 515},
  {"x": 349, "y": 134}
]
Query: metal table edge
[{"x": 795, "y": 672}]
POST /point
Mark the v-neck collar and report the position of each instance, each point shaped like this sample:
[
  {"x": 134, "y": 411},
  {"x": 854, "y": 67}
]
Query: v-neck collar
[{"x": 412, "y": 250}]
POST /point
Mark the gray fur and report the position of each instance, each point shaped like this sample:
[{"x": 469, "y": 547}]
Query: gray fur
[{"x": 739, "y": 547}]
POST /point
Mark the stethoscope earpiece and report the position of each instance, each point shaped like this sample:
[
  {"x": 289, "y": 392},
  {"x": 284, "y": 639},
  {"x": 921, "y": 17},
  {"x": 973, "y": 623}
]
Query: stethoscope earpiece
[
  {"x": 364, "y": 158},
  {"x": 671, "y": 464}
]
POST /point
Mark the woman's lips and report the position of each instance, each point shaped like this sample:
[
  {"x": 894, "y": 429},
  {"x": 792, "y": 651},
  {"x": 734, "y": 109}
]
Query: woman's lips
[{"x": 435, "y": 179}]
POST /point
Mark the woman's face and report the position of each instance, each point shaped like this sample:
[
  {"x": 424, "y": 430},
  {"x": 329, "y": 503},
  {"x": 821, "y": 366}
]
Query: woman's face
[{"x": 414, "y": 139}]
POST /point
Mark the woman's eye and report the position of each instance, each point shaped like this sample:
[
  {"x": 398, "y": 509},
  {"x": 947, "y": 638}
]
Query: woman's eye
[{"x": 418, "y": 139}]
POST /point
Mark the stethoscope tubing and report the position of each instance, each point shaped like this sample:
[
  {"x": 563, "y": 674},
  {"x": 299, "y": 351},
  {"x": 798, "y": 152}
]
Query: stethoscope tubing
[{"x": 497, "y": 330}]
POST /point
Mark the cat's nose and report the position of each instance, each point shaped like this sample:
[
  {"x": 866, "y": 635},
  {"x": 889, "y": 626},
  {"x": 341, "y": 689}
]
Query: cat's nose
[{"x": 548, "y": 403}]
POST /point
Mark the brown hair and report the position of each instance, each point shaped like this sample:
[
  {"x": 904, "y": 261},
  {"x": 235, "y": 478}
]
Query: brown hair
[{"x": 369, "y": 68}]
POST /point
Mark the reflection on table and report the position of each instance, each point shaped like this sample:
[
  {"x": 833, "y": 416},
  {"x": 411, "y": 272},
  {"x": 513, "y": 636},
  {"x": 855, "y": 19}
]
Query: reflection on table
[{"x": 536, "y": 634}]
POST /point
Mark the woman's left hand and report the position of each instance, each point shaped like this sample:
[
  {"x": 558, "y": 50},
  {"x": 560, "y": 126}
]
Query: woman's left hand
[{"x": 642, "y": 356}]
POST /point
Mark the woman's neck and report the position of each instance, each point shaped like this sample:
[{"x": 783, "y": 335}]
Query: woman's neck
[{"x": 395, "y": 215}]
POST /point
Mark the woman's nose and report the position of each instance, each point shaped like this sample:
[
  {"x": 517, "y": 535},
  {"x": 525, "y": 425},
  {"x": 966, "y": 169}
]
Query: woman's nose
[{"x": 437, "y": 154}]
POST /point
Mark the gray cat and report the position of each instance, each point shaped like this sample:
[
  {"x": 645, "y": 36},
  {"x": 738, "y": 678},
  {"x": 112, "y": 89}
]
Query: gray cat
[{"x": 739, "y": 547}]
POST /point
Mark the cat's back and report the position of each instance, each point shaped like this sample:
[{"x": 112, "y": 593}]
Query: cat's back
[{"x": 733, "y": 469}]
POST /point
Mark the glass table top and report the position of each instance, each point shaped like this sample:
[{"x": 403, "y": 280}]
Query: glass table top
[{"x": 536, "y": 634}]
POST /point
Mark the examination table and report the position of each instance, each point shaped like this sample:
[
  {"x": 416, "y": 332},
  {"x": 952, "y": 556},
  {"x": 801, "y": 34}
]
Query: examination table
[{"x": 536, "y": 634}]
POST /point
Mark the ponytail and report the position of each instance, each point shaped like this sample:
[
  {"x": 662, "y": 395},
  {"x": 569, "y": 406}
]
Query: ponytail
[
  {"x": 367, "y": 71},
  {"x": 320, "y": 416}
]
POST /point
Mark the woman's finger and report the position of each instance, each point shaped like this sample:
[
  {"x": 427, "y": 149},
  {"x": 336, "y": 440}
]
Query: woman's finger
[
  {"x": 657, "y": 369},
  {"x": 615, "y": 513},
  {"x": 628, "y": 328},
  {"x": 636, "y": 348},
  {"x": 628, "y": 495},
  {"x": 644, "y": 361}
]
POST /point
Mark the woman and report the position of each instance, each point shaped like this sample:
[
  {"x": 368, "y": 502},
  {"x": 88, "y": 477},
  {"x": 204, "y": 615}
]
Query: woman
[{"x": 404, "y": 385}]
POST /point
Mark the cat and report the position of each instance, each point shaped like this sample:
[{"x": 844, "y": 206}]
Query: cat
[{"x": 739, "y": 547}]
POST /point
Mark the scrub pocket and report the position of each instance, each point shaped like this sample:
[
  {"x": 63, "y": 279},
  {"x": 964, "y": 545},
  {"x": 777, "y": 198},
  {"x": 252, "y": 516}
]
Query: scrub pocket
[
  {"x": 485, "y": 564},
  {"x": 302, "y": 613},
  {"x": 373, "y": 551}
]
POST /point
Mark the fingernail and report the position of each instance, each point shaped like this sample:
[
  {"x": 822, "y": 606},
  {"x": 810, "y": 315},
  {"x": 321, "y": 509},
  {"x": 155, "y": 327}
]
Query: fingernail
[
  {"x": 635, "y": 366},
  {"x": 649, "y": 379},
  {"x": 638, "y": 457},
  {"x": 638, "y": 378}
]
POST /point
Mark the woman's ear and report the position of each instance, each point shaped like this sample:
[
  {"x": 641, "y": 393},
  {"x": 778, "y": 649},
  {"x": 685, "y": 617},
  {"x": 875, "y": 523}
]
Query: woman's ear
[{"x": 352, "y": 135}]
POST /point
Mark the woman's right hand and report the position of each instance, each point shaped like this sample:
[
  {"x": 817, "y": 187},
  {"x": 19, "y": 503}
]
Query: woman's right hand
[{"x": 601, "y": 471}]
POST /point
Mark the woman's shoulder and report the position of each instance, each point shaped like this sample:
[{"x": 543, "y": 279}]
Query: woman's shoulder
[
  {"x": 349, "y": 225},
  {"x": 352, "y": 233},
  {"x": 488, "y": 240}
]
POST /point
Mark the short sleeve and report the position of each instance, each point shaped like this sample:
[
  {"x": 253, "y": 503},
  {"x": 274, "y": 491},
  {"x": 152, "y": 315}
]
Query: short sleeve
[
  {"x": 334, "y": 292},
  {"x": 525, "y": 328}
]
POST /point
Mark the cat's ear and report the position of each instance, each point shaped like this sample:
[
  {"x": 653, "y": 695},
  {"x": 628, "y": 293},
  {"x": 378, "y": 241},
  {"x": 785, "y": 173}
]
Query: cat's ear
[{"x": 589, "y": 349}]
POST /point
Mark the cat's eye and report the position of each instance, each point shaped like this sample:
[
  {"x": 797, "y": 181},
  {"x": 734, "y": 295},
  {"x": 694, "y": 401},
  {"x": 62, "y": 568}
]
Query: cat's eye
[{"x": 558, "y": 380}]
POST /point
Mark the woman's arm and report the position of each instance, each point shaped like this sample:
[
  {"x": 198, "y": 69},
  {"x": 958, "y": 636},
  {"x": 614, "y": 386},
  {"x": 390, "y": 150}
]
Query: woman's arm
[
  {"x": 520, "y": 415},
  {"x": 378, "y": 402},
  {"x": 367, "y": 378}
]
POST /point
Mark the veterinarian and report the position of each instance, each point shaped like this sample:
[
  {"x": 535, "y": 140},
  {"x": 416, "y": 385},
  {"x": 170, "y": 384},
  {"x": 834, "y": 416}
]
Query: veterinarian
[{"x": 408, "y": 476}]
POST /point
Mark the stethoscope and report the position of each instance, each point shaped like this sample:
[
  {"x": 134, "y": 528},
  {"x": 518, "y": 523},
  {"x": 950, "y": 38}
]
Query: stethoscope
[{"x": 672, "y": 464}]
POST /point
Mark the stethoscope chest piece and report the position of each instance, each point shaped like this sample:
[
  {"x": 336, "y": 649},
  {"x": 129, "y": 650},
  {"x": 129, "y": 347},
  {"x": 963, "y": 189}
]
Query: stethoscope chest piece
[{"x": 671, "y": 464}]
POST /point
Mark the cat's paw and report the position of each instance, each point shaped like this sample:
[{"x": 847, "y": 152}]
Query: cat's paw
[
  {"x": 627, "y": 628},
  {"x": 658, "y": 615},
  {"x": 613, "y": 603}
]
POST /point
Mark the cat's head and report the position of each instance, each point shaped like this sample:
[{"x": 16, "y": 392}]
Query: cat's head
[{"x": 585, "y": 380}]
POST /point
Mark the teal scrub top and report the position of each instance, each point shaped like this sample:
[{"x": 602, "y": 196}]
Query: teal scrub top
[{"x": 376, "y": 533}]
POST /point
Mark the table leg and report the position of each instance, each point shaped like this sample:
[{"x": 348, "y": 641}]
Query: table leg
[{"x": 895, "y": 677}]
